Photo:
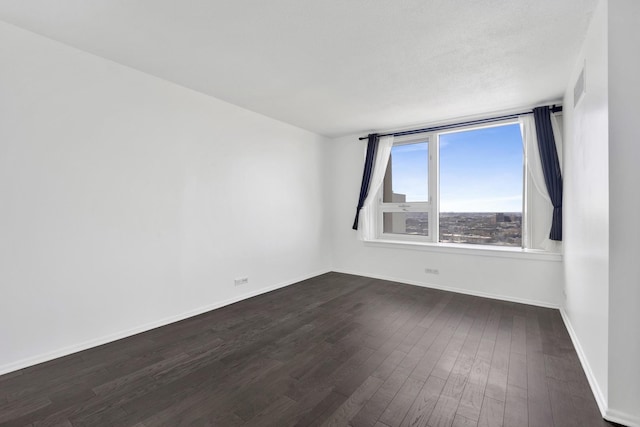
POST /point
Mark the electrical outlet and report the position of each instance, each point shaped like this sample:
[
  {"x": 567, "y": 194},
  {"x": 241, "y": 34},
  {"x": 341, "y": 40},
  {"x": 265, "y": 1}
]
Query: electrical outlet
[
  {"x": 241, "y": 281},
  {"x": 432, "y": 271}
]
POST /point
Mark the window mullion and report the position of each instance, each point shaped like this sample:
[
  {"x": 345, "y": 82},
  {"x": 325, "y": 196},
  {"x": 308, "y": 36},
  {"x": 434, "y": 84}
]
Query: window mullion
[
  {"x": 405, "y": 207},
  {"x": 434, "y": 187}
]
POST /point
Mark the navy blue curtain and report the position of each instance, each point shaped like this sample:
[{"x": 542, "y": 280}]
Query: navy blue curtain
[
  {"x": 550, "y": 167},
  {"x": 372, "y": 147}
]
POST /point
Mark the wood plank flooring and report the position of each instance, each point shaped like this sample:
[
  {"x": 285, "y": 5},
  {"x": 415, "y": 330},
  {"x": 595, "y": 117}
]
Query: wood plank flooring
[{"x": 335, "y": 350}]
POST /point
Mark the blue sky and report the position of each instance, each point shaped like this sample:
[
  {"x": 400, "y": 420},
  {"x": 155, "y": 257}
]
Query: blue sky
[{"x": 480, "y": 170}]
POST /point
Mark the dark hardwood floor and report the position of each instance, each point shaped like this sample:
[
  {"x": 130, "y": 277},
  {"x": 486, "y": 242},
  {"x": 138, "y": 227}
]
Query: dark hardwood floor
[{"x": 333, "y": 350}]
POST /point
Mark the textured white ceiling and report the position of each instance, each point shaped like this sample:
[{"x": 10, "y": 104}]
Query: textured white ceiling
[{"x": 334, "y": 67}]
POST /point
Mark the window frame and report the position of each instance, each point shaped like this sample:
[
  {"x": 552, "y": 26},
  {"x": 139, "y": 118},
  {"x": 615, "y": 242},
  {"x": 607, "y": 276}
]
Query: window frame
[
  {"x": 403, "y": 207},
  {"x": 432, "y": 207}
]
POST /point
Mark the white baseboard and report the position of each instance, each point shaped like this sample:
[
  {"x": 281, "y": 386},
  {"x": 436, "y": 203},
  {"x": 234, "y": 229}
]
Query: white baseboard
[
  {"x": 25, "y": 363},
  {"x": 593, "y": 383},
  {"x": 622, "y": 418},
  {"x": 457, "y": 290},
  {"x": 608, "y": 414}
]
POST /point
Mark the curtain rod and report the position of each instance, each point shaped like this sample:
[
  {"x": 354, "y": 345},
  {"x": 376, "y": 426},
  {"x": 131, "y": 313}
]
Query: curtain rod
[{"x": 554, "y": 109}]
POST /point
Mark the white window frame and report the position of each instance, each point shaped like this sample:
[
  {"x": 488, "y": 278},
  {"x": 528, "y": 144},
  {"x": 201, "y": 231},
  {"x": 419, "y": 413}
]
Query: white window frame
[
  {"x": 427, "y": 206},
  {"x": 432, "y": 206}
]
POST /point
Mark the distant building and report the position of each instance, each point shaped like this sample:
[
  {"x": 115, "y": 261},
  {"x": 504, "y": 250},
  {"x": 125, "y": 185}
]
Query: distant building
[{"x": 393, "y": 222}]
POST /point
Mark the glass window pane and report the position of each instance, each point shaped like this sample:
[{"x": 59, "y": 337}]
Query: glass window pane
[
  {"x": 407, "y": 176},
  {"x": 481, "y": 186},
  {"x": 416, "y": 223}
]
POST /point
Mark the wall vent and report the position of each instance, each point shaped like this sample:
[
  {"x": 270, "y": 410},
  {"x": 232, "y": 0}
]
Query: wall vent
[{"x": 579, "y": 88}]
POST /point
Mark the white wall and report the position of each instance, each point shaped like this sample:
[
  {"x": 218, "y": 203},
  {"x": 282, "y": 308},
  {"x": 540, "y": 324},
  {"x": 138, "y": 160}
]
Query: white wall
[
  {"x": 624, "y": 202},
  {"x": 527, "y": 280},
  {"x": 602, "y": 199},
  {"x": 128, "y": 201},
  {"x": 586, "y": 206}
]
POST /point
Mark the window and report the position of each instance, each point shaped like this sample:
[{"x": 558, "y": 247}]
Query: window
[{"x": 456, "y": 186}]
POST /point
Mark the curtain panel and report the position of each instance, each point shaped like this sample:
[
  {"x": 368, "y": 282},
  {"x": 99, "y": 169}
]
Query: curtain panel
[
  {"x": 372, "y": 146},
  {"x": 366, "y": 216},
  {"x": 550, "y": 167},
  {"x": 538, "y": 215}
]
